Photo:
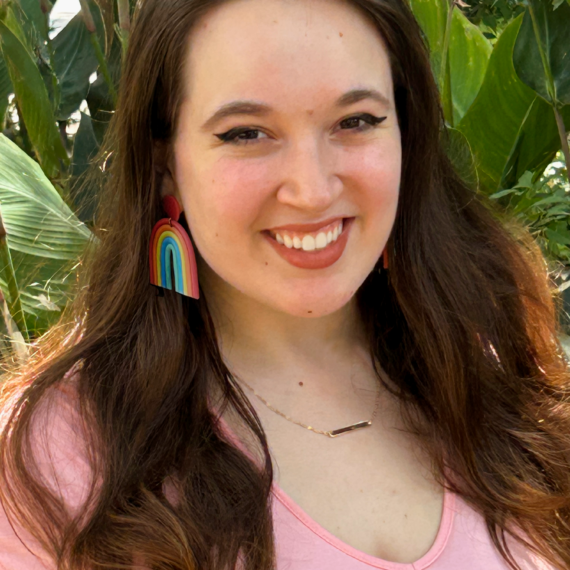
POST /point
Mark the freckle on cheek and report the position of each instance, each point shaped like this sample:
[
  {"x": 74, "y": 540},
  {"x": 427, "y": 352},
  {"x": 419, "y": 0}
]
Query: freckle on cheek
[{"x": 340, "y": 34}]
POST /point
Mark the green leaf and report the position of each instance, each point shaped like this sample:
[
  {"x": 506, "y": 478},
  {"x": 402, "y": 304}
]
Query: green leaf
[
  {"x": 31, "y": 11},
  {"x": 549, "y": 200},
  {"x": 85, "y": 148},
  {"x": 502, "y": 193},
  {"x": 557, "y": 237},
  {"x": 431, "y": 16},
  {"x": 466, "y": 59},
  {"x": 107, "y": 9},
  {"x": 469, "y": 53},
  {"x": 11, "y": 20},
  {"x": 46, "y": 239},
  {"x": 34, "y": 103},
  {"x": 502, "y": 125},
  {"x": 11, "y": 293},
  {"x": 525, "y": 180},
  {"x": 74, "y": 61},
  {"x": 100, "y": 101},
  {"x": 542, "y": 51},
  {"x": 537, "y": 142}
]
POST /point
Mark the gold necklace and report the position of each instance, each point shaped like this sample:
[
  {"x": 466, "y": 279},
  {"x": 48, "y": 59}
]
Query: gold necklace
[{"x": 330, "y": 433}]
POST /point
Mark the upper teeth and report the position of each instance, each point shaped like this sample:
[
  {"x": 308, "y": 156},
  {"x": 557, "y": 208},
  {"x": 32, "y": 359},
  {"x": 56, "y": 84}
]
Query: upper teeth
[{"x": 310, "y": 241}]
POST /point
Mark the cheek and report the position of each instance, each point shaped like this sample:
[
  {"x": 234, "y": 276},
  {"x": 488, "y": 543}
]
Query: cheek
[
  {"x": 224, "y": 199},
  {"x": 376, "y": 174}
]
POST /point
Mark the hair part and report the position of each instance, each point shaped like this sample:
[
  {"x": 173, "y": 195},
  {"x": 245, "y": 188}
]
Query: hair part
[{"x": 463, "y": 324}]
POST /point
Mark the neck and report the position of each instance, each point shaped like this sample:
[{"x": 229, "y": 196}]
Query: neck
[{"x": 264, "y": 344}]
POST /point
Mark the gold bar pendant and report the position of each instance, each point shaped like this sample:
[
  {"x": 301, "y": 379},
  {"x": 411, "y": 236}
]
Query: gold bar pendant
[{"x": 358, "y": 425}]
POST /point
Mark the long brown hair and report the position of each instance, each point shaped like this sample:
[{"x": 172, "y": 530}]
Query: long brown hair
[{"x": 463, "y": 323}]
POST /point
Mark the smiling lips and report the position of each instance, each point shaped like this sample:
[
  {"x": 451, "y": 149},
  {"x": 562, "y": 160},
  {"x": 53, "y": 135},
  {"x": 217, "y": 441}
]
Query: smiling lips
[{"x": 315, "y": 249}]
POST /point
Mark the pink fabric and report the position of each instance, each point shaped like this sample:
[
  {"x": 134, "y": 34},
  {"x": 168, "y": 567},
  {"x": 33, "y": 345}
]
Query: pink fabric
[{"x": 462, "y": 542}]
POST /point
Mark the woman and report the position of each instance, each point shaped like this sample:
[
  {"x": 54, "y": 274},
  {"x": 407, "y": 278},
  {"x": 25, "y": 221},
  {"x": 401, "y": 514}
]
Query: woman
[{"x": 347, "y": 279}]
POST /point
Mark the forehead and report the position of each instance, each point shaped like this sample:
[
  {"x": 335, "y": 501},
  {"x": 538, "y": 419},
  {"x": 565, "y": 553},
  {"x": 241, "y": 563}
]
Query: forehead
[{"x": 283, "y": 52}]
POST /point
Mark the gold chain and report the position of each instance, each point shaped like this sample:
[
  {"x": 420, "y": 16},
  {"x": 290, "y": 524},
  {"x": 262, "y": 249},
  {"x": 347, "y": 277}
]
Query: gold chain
[{"x": 329, "y": 433}]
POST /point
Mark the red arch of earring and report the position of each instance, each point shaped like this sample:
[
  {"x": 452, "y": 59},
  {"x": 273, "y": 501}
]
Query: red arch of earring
[{"x": 385, "y": 257}]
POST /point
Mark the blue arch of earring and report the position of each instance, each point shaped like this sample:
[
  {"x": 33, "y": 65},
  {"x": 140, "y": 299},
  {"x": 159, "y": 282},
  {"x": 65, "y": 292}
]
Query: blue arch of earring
[{"x": 170, "y": 253}]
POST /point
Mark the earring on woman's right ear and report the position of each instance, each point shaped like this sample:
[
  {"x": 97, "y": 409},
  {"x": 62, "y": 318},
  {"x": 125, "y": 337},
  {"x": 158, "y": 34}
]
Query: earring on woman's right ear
[
  {"x": 171, "y": 252},
  {"x": 385, "y": 257}
]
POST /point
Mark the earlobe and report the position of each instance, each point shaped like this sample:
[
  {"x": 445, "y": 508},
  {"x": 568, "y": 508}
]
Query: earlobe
[
  {"x": 168, "y": 185},
  {"x": 164, "y": 169}
]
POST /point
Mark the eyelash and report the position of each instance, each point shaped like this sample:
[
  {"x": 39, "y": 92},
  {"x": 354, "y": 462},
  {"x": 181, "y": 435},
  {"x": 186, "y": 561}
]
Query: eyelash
[{"x": 230, "y": 137}]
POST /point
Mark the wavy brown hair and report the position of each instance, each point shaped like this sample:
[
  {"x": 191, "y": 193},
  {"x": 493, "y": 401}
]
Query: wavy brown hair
[{"x": 463, "y": 323}]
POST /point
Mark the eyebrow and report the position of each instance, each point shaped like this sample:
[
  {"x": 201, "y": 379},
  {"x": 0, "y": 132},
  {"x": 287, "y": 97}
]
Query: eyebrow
[{"x": 245, "y": 107}]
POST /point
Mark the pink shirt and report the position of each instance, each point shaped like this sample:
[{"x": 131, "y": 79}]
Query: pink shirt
[{"x": 462, "y": 542}]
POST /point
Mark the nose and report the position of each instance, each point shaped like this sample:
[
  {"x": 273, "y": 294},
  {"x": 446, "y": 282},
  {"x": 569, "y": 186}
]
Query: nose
[{"x": 309, "y": 180}]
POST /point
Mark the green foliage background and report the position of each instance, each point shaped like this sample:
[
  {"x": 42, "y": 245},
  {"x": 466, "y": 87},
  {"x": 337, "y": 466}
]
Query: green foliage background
[{"x": 503, "y": 73}]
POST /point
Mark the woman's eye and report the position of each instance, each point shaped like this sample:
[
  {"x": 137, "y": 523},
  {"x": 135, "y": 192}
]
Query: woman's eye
[
  {"x": 370, "y": 120},
  {"x": 241, "y": 136}
]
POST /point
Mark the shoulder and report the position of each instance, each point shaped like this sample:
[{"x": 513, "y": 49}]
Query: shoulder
[
  {"x": 60, "y": 443},
  {"x": 59, "y": 458}
]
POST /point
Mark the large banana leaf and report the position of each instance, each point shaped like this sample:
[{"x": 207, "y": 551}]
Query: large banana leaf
[
  {"x": 107, "y": 10},
  {"x": 469, "y": 53},
  {"x": 31, "y": 11},
  {"x": 466, "y": 58},
  {"x": 83, "y": 194},
  {"x": 100, "y": 101},
  {"x": 536, "y": 143},
  {"x": 505, "y": 125},
  {"x": 45, "y": 237},
  {"x": 33, "y": 99},
  {"x": 74, "y": 60},
  {"x": 432, "y": 16},
  {"x": 542, "y": 51}
]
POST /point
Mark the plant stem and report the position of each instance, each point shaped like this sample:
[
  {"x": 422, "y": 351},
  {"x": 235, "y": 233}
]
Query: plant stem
[
  {"x": 91, "y": 28},
  {"x": 443, "y": 75},
  {"x": 563, "y": 139},
  {"x": 15, "y": 306},
  {"x": 103, "y": 66},
  {"x": 124, "y": 24}
]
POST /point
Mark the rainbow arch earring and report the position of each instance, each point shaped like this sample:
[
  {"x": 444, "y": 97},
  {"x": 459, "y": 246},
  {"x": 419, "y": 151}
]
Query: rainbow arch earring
[{"x": 171, "y": 255}]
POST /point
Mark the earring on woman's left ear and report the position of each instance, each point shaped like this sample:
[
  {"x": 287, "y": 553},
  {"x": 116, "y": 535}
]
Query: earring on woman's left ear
[{"x": 171, "y": 255}]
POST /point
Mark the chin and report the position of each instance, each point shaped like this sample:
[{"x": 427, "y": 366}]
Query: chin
[{"x": 312, "y": 305}]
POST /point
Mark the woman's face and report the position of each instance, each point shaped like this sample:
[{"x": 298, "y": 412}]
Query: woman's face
[{"x": 287, "y": 130}]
